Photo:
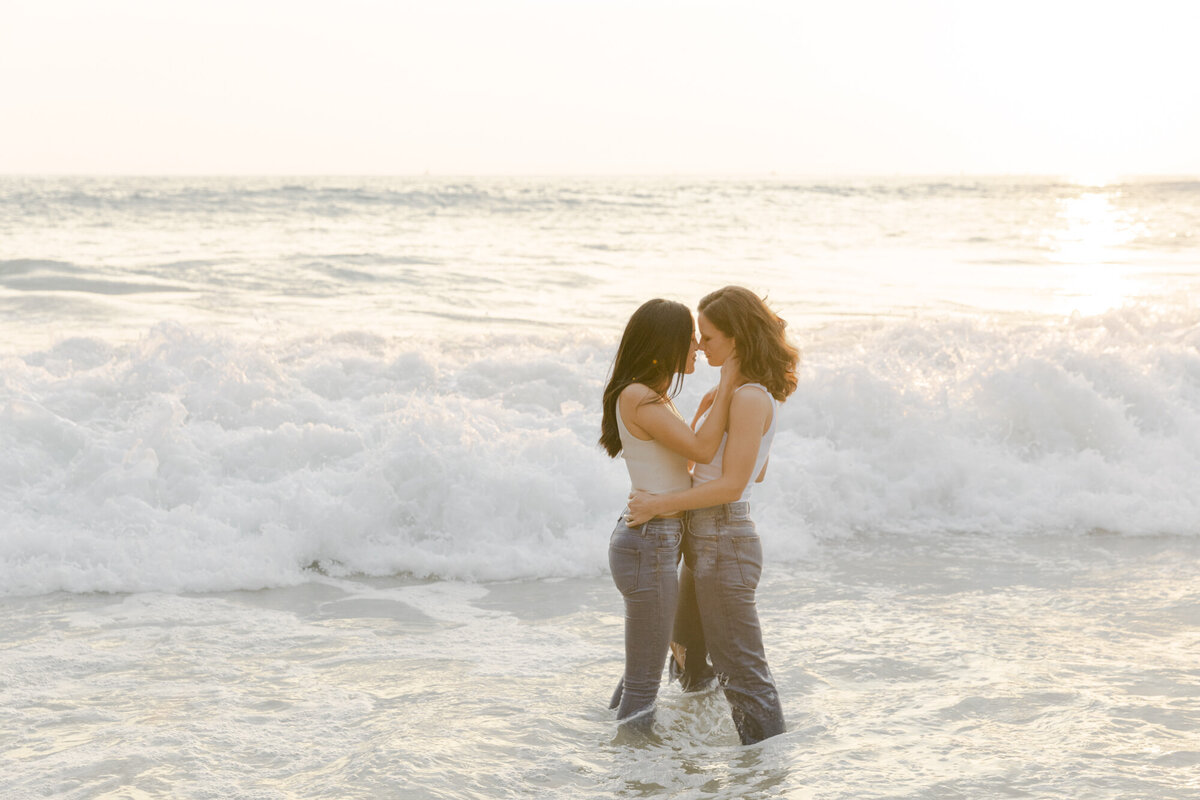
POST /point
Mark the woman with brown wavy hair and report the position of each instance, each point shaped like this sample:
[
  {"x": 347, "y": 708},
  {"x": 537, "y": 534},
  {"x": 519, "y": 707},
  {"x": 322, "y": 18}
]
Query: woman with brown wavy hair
[{"x": 721, "y": 549}]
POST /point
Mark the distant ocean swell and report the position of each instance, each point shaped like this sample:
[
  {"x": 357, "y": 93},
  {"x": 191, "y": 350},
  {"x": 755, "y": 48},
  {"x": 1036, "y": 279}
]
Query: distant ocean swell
[
  {"x": 191, "y": 461},
  {"x": 109, "y": 201}
]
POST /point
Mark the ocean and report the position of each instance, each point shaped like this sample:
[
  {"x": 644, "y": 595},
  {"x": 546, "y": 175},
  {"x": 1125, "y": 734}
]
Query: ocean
[{"x": 300, "y": 494}]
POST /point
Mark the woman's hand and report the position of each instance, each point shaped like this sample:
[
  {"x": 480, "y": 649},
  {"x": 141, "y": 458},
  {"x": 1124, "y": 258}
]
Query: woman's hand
[
  {"x": 642, "y": 509},
  {"x": 731, "y": 371}
]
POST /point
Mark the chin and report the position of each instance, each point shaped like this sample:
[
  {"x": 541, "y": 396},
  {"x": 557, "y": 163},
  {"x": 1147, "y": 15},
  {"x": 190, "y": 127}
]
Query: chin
[{"x": 715, "y": 362}]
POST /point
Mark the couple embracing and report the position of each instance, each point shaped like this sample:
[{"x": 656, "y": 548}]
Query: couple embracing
[{"x": 706, "y": 607}]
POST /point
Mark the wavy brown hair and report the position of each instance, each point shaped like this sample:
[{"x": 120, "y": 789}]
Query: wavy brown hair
[
  {"x": 653, "y": 350},
  {"x": 764, "y": 353}
]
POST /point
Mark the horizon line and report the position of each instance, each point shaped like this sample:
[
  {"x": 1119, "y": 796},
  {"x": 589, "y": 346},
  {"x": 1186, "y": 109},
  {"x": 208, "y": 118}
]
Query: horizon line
[{"x": 1080, "y": 177}]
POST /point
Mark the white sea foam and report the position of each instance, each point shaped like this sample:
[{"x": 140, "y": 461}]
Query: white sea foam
[
  {"x": 963, "y": 426},
  {"x": 194, "y": 461},
  {"x": 943, "y": 627}
]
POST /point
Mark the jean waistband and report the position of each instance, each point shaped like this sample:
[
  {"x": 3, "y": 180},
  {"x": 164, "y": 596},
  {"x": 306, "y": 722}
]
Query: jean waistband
[
  {"x": 655, "y": 525},
  {"x": 728, "y": 512}
]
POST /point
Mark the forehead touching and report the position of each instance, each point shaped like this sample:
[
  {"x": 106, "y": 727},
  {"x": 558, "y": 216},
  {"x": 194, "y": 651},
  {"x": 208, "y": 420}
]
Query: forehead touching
[{"x": 707, "y": 329}]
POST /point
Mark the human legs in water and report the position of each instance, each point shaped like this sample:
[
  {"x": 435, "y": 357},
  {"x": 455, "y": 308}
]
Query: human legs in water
[
  {"x": 689, "y": 661},
  {"x": 643, "y": 563},
  {"x": 724, "y": 553}
]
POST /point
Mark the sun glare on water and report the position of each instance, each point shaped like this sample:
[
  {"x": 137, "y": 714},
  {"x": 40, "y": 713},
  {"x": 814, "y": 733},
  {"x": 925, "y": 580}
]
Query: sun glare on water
[{"x": 1086, "y": 243}]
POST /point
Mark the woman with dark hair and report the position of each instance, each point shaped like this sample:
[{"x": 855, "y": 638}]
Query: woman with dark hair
[
  {"x": 722, "y": 552},
  {"x": 640, "y": 422}
]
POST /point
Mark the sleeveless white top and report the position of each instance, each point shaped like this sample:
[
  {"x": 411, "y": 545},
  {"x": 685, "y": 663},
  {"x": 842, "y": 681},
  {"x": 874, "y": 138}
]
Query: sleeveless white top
[
  {"x": 652, "y": 467},
  {"x": 703, "y": 473}
]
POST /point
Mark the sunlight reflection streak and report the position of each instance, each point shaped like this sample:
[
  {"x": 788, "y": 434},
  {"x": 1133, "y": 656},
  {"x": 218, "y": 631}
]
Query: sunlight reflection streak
[{"x": 1092, "y": 228}]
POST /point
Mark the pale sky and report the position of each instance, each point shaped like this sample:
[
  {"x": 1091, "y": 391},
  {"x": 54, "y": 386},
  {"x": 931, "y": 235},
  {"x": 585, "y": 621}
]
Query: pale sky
[{"x": 538, "y": 87}]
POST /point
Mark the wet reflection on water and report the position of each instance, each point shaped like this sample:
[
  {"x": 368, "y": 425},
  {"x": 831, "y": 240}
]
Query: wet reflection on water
[{"x": 920, "y": 666}]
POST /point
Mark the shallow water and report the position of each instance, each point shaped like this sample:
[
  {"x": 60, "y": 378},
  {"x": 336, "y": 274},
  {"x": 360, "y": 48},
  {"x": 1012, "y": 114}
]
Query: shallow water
[
  {"x": 917, "y": 666},
  {"x": 300, "y": 495}
]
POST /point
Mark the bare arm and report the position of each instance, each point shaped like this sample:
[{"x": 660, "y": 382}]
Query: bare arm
[
  {"x": 705, "y": 403},
  {"x": 748, "y": 416},
  {"x": 648, "y": 418}
]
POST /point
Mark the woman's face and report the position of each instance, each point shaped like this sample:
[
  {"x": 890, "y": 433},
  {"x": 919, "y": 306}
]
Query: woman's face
[
  {"x": 716, "y": 346},
  {"x": 691, "y": 358}
]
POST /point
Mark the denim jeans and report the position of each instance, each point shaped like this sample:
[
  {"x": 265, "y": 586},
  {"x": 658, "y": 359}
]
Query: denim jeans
[
  {"x": 691, "y": 665},
  {"x": 724, "y": 554},
  {"x": 643, "y": 561}
]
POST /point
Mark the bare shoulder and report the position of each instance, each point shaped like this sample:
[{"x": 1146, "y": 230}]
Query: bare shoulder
[
  {"x": 755, "y": 402},
  {"x": 638, "y": 393},
  {"x": 756, "y": 396}
]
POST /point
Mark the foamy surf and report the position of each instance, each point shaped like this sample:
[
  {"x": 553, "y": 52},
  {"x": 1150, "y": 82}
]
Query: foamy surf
[
  {"x": 201, "y": 462},
  {"x": 380, "y": 396}
]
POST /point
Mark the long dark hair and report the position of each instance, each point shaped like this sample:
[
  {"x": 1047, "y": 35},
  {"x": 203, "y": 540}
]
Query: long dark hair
[
  {"x": 764, "y": 354},
  {"x": 653, "y": 349}
]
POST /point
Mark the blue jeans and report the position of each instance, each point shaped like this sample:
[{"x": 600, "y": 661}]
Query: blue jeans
[
  {"x": 643, "y": 562},
  {"x": 724, "y": 554}
]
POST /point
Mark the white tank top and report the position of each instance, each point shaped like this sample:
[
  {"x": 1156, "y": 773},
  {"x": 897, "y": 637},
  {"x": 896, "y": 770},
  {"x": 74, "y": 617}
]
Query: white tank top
[
  {"x": 703, "y": 473},
  {"x": 652, "y": 467}
]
